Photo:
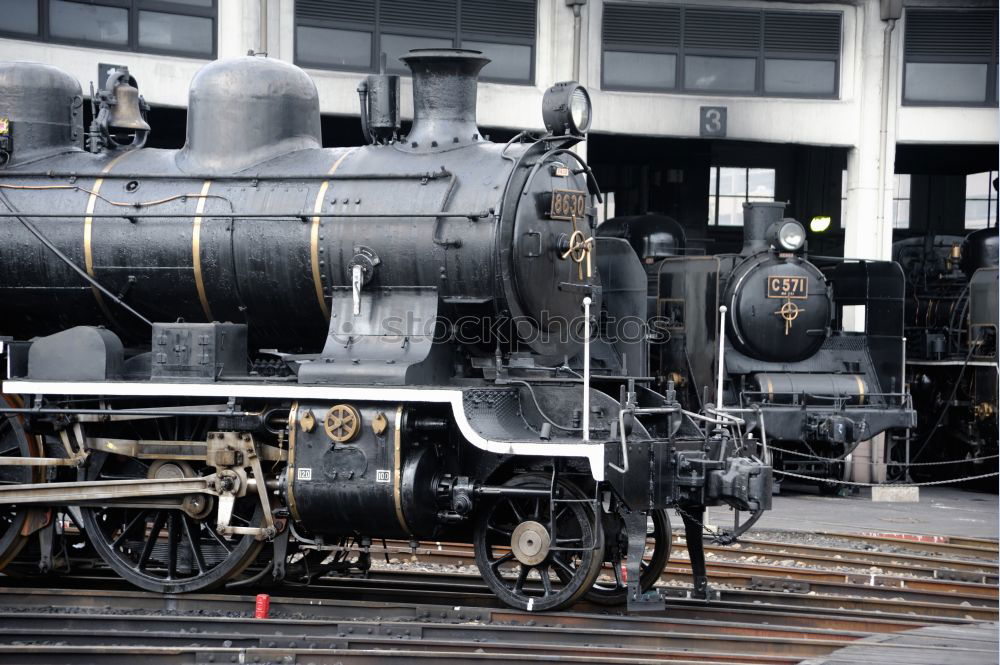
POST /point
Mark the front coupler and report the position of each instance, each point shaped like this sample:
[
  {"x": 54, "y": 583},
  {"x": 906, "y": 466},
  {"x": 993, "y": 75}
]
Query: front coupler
[{"x": 654, "y": 474}]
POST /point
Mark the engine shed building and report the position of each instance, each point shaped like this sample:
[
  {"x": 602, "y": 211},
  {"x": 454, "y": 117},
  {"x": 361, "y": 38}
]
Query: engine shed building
[{"x": 880, "y": 115}]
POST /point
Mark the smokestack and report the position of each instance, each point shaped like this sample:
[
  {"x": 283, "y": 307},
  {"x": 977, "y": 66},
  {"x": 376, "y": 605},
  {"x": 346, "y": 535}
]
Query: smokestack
[
  {"x": 444, "y": 97},
  {"x": 757, "y": 217}
]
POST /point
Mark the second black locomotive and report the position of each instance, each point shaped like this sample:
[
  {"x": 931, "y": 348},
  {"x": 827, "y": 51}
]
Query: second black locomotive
[{"x": 765, "y": 333}]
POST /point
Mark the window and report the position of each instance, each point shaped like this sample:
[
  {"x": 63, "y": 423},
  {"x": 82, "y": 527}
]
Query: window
[
  {"x": 843, "y": 199},
  {"x": 720, "y": 51},
  {"x": 729, "y": 187},
  {"x": 980, "y": 200},
  {"x": 173, "y": 27},
  {"x": 950, "y": 57},
  {"x": 351, "y": 34},
  {"x": 18, "y": 17},
  {"x": 606, "y": 210},
  {"x": 901, "y": 201}
]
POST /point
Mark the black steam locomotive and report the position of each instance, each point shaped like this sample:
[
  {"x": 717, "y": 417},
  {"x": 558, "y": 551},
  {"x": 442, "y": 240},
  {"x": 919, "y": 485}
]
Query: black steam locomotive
[
  {"x": 951, "y": 353},
  {"x": 253, "y": 347},
  {"x": 785, "y": 360}
]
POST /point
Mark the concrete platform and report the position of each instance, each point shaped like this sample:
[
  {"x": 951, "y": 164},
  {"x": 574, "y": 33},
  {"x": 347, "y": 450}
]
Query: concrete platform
[{"x": 941, "y": 511}]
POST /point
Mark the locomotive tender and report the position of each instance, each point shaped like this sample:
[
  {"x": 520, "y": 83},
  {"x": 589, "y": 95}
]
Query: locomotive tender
[
  {"x": 254, "y": 347},
  {"x": 951, "y": 352},
  {"x": 786, "y": 361}
]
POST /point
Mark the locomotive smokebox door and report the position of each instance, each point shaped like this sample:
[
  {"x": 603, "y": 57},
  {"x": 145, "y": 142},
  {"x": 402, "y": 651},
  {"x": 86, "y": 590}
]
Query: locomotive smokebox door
[{"x": 780, "y": 309}]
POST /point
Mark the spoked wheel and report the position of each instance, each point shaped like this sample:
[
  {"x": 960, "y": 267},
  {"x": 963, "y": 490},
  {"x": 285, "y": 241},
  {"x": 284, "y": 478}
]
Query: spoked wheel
[
  {"x": 837, "y": 471},
  {"x": 167, "y": 550},
  {"x": 658, "y": 543},
  {"x": 514, "y": 547},
  {"x": 13, "y": 443}
]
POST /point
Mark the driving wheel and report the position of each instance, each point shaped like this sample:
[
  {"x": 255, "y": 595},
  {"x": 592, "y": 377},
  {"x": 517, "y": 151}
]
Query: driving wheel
[
  {"x": 13, "y": 443},
  {"x": 534, "y": 556},
  {"x": 614, "y": 591},
  {"x": 168, "y": 550}
]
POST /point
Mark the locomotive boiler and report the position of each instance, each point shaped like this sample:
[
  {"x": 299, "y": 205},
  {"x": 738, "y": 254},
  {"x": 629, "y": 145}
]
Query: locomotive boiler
[
  {"x": 254, "y": 349},
  {"x": 784, "y": 359},
  {"x": 951, "y": 353}
]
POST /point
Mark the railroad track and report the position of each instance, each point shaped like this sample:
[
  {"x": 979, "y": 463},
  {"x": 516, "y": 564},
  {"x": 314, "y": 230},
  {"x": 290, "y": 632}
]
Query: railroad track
[
  {"x": 770, "y": 609},
  {"x": 39, "y": 625},
  {"x": 853, "y": 564},
  {"x": 973, "y": 602}
]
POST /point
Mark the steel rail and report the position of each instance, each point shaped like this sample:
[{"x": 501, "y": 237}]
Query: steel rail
[
  {"x": 975, "y": 542},
  {"x": 844, "y": 554},
  {"x": 741, "y": 597},
  {"x": 750, "y": 637},
  {"x": 787, "y": 576},
  {"x": 318, "y": 602},
  {"x": 126, "y": 655},
  {"x": 909, "y": 565},
  {"x": 467, "y": 590},
  {"x": 472, "y": 588},
  {"x": 946, "y": 545},
  {"x": 927, "y": 579},
  {"x": 744, "y": 636},
  {"x": 214, "y": 631},
  {"x": 981, "y": 595},
  {"x": 810, "y": 575}
]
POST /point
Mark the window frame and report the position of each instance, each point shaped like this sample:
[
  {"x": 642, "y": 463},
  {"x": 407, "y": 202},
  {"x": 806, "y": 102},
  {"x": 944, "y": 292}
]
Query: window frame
[
  {"x": 676, "y": 51},
  {"x": 346, "y": 26},
  {"x": 992, "y": 204},
  {"x": 991, "y": 67},
  {"x": 896, "y": 199},
  {"x": 714, "y": 223},
  {"x": 760, "y": 55},
  {"x": 376, "y": 30},
  {"x": 133, "y": 7},
  {"x": 29, "y": 36}
]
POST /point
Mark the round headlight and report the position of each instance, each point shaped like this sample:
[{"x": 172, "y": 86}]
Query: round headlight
[
  {"x": 791, "y": 236},
  {"x": 566, "y": 109},
  {"x": 579, "y": 109}
]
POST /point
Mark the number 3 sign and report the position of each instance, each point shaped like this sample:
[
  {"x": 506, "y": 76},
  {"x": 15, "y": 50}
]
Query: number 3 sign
[{"x": 713, "y": 121}]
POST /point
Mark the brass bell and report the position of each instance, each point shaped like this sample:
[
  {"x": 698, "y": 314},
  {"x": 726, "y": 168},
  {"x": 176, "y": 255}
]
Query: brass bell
[{"x": 125, "y": 113}]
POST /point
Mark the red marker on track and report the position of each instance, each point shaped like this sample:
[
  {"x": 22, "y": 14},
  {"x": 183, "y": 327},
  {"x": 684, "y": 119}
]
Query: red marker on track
[{"x": 263, "y": 606}]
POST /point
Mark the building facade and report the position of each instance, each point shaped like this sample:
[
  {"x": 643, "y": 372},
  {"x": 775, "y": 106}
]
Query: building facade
[{"x": 879, "y": 114}]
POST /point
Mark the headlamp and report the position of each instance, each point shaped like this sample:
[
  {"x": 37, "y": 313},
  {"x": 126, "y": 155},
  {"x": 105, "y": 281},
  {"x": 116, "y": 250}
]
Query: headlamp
[
  {"x": 787, "y": 235},
  {"x": 566, "y": 109}
]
